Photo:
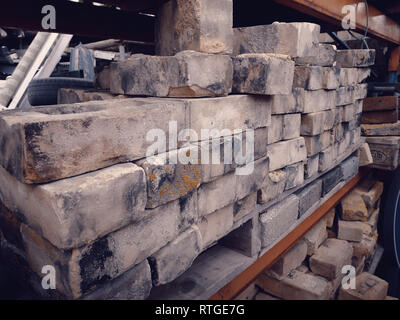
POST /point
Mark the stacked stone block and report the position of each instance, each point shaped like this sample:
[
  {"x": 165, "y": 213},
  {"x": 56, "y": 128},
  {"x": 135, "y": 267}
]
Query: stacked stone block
[
  {"x": 346, "y": 236},
  {"x": 82, "y": 193}
]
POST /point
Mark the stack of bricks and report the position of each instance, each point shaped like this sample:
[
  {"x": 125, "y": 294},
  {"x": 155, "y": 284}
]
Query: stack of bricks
[
  {"x": 80, "y": 192},
  {"x": 313, "y": 268}
]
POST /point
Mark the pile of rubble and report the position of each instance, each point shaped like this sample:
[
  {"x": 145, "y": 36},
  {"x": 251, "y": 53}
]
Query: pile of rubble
[{"x": 80, "y": 191}]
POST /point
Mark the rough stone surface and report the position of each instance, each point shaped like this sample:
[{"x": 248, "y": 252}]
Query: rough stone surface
[
  {"x": 330, "y": 180},
  {"x": 318, "y": 143},
  {"x": 368, "y": 287},
  {"x": 274, "y": 185},
  {"x": 134, "y": 284},
  {"x": 311, "y": 166},
  {"x": 50, "y": 143},
  {"x": 69, "y": 96},
  {"x": 290, "y": 261},
  {"x": 176, "y": 257},
  {"x": 385, "y": 152},
  {"x": 349, "y": 167},
  {"x": 353, "y": 208},
  {"x": 282, "y": 154},
  {"x": 366, "y": 247},
  {"x": 291, "y": 126},
  {"x": 294, "y": 175},
  {"x": 285, "y": 103},
  {"x": 353, "y": 230},
  {"x": 92, "y": 265},
  {"x": 275, "y": 130},
  {"x": 327, "y": 158},
  {"x": 278, "y": 219},
  {"x": 245, "y": 206},
  {"x": 200, "y": 25},
  {"x": 308, "y": 196},
  {"x": 330, "y": 78},
  {"x": 345, "y": 96},
  {"x": 314, "y": 101},
  {"x": 348, "y": 77},
  {"x": 315, "y": 237},
  {"x": 355, "y": 58},
  {"x": 371, "y": 191},
  {"x": 308, "y": 77},
  {"x": 292, "y": 39},
  {"x": 329, "y": 259},
  {"x": 297, "y": 286},
  {"x": 266, "y": 74},
  {"x": 312, "y": 124},
  {"x": 326, "y": 57},
  {"x": 216, "y": 225},
  {"x": 187, "y": 74},
  {"x": 75, "y": 211}
]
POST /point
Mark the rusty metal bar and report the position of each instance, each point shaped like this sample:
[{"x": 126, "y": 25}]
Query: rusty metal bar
[{"x": 380, "y": 25}]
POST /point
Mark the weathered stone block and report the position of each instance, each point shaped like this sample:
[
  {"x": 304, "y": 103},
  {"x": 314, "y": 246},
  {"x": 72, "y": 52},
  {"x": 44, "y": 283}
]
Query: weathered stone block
[
  {"x": 311, "y": 166},
  {"x": 266, "y": 74},
  {"x": 348, "y": 77},
  {"x": 290, "y": 261},
  {"x": 327, "y": 158},
  {"x": 326, "y": 57},
  {"x": 368, "y": 287},
  {"x": 275, "y": 130},
  {"x": 314, "y": 101},
  {"x": 75, "y": 211},
  {"x": 366, "y": 247},
  {"x": 363, "y": 74},
  {"x": 284, "y": 103},
  {"x": 200, "y": 25},
  {"x": 365, "y": 155},
  {"x": 312, "y": 124},
  {"x": 297, "y": 286},
  {"x": 274, "y": 185},
  {"x": 293, "y": 39},
  {"x": 187, "y": 74},
  {"x": 308, "y": 196},
  {"x": 349, "y": 112},
  {"x": 315, "y": 237},
  {"x": 244, "y": 206},
  {"x": 134, "y": 284},
  {"x": 315, "y": 144},
  {"x": 330, "y": 78},
  {"x": 330, "y": 180},
  {"x": 216, "y": 225},
  {"x": 176, "y": 257},
  {"x": 308, "y": 77},
  {"x": 282, "y": 154},
  {"x": 69, "y": 96},
  {"x": 385, "y": 152},
  {"x": 330, "y": 258},
  {"x": 355, "y": 58},
  {"x": 345, "y": 96},
  {"x": 349, "y": 167},
  {"x": 294, "y": 175},
  {"x": 353, "y": 230},
  {"x": 371, "y": 191},
  {"x": 50, "y": 143},
  {"x": 291, "y": 126},
  {"x": 353, "y": 208},
  {"x": 278, "y": 219},
  {"x": 361, "y": 91}
]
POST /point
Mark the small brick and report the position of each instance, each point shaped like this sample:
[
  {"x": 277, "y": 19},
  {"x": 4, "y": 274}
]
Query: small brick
[
  {"x": 315, "y": 237},
  {"x": 353, "y": 208},
  {"x": 353, "y": 230},
  {"x": 368, "y": 287},
  {"x": 329, "y": 259}
]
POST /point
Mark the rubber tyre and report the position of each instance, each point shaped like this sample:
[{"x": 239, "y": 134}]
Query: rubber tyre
[
  {"x": 42, "y": 92},
  {"x": 391, "y": 223}
]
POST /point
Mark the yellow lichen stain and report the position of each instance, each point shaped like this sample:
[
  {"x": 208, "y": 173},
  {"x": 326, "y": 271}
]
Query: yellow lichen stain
[
  {"x": 182, "y": 192},
  {"x": 167, "y": 187},
  {"x": 189, "y": 183},
  {"x": 152, "y": 177},
  {"x": 162, "y": 192}
]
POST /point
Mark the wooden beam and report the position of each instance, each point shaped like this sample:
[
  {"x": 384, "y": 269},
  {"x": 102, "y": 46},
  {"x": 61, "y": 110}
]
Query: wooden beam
[
  {"x": 237, "y": 285},
  {"x": 380, "y": 25},
  {"x": 78, "y": 19},
  {"x": 394, "y": 59}
]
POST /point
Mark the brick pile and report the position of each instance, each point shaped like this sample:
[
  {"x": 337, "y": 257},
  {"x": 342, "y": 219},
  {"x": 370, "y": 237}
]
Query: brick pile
[
  {"x": 79, "y": 193},
  {"x": 312, "y": 269}
]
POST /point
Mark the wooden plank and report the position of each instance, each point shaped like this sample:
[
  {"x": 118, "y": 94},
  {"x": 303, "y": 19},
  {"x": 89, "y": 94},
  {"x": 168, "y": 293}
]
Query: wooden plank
[
  {"x": 376, "y": 117},
  {"x": 384, "y": 129},
  {"x": 380, "y": 25},
  {"x": 237, "y": 285},
  {"x": 394, "y": 59},
  {"x": 381, "y": 103}
]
